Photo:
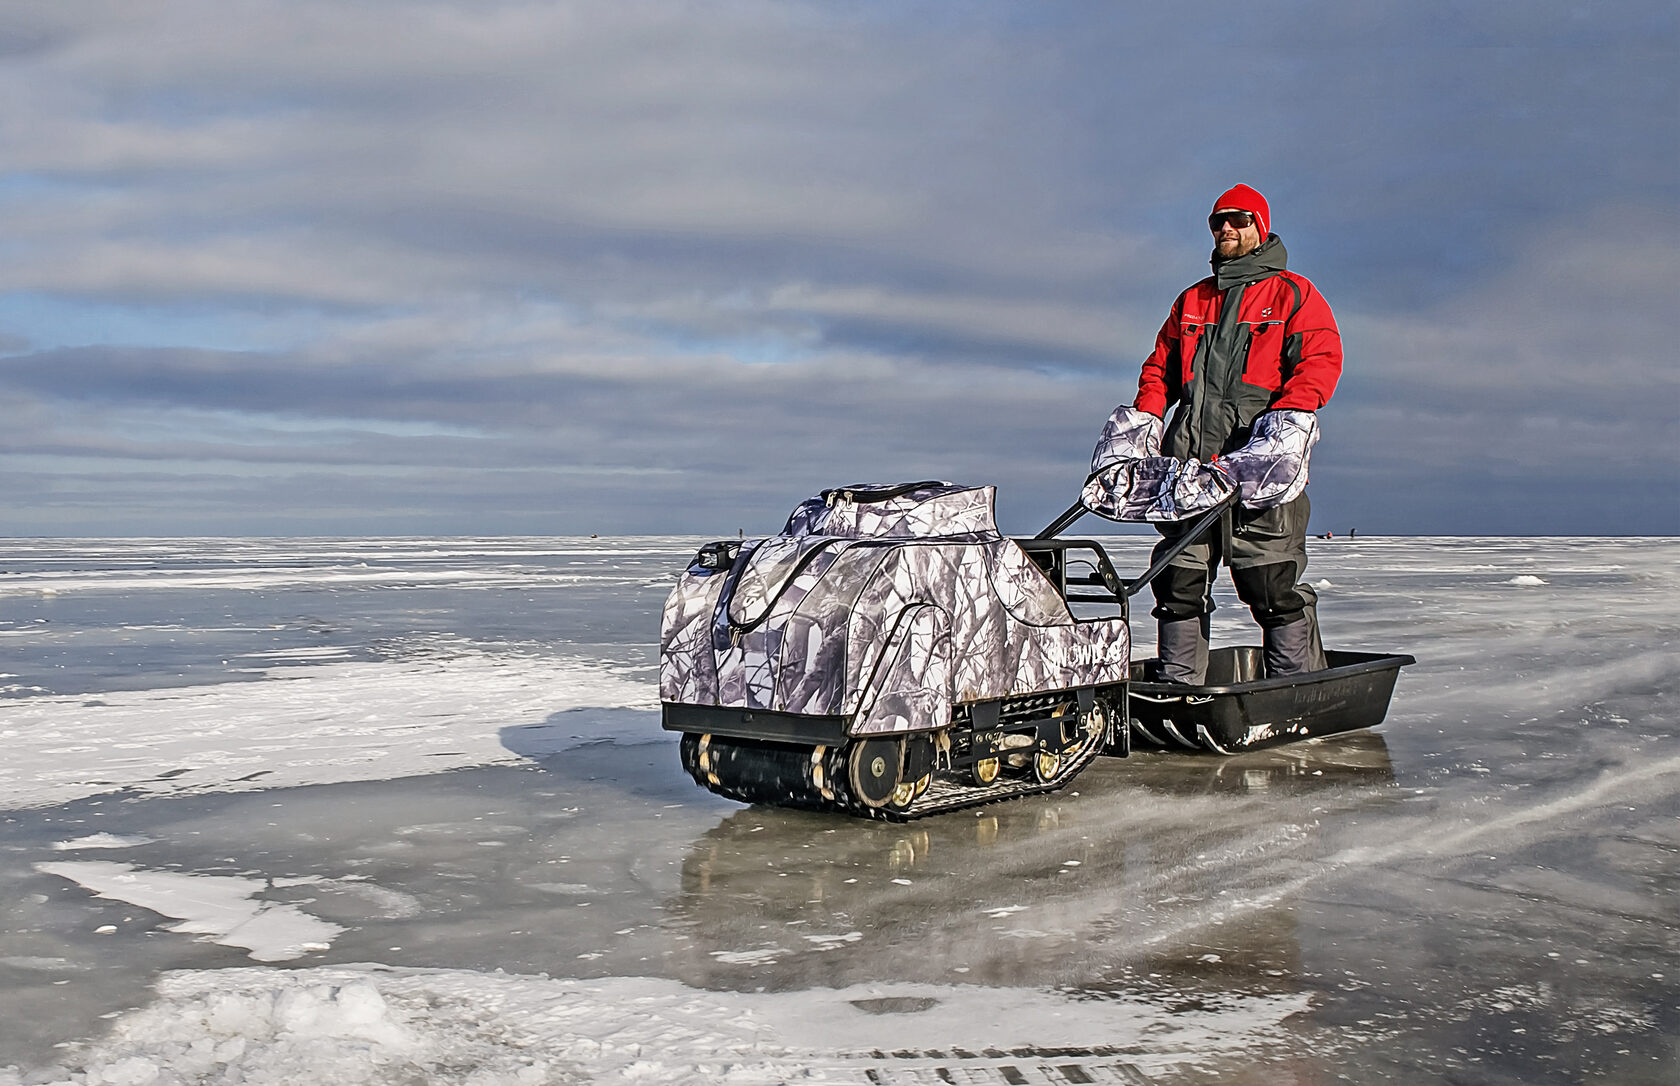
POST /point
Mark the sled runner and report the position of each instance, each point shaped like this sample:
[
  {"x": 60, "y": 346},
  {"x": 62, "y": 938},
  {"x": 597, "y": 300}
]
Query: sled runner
[{"x": 1239, "y": 709}]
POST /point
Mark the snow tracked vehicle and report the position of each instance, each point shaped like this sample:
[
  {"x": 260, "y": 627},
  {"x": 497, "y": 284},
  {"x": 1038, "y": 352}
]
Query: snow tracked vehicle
[{"x": 890, "y": 655}]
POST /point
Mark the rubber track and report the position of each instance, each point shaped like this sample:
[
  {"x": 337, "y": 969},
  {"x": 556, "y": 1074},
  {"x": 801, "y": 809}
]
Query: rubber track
[
  {"x": 943, "y": 795},
  {"x": 949, "y": 795}
]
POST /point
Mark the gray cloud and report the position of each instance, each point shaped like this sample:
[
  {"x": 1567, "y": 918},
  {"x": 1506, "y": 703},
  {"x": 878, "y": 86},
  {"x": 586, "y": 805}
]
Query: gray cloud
[{"x": 530, "y": 267}]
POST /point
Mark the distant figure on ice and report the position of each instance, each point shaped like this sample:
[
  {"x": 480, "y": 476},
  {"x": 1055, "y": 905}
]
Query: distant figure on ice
[{"x": 1246, "y": 357}]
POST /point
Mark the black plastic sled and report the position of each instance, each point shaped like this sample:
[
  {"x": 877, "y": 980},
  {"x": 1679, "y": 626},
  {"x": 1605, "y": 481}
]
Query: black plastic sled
[{"x": 1239, "y": 710}]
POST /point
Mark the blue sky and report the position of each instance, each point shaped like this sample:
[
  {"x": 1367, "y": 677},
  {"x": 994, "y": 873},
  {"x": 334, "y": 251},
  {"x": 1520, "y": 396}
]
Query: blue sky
[{"x": 411, "y": 268}]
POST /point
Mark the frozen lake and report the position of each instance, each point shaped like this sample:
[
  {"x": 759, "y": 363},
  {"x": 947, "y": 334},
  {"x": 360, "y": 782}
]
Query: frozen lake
[{"x": 399, "y": 811}]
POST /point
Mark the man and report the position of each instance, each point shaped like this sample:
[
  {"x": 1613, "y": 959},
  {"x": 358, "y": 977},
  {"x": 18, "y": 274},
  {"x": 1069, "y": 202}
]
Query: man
[{"x": 1246, "y": 358}]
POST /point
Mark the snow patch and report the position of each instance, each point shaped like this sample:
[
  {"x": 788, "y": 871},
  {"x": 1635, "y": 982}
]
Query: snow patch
[
  {"x": 761, "y": 956},
  {"x": 217, "y": 906},
  {"x": 430, "y": 710},
  {"x": 371, "y": 1024},
  {"x": 102, "y": 840},
  {"x": 1526, "y": 580}
]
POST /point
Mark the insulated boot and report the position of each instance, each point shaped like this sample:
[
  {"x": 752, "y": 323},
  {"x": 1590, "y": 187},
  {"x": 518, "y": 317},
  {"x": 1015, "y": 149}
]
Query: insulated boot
[
  {"x": 1293, "y": 648},
  {"x": 1183, "y": 650}
]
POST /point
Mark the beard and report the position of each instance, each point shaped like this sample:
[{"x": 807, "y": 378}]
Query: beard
[{"x": 1231, "y": 248}]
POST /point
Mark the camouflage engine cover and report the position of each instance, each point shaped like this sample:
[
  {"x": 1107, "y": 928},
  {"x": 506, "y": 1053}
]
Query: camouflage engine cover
[{"x": 882, "y": 605}]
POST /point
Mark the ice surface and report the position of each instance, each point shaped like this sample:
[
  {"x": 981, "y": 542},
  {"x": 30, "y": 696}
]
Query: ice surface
[
  {"x": 1482, "y": 890},
  {"x": 240, "y": 692}
]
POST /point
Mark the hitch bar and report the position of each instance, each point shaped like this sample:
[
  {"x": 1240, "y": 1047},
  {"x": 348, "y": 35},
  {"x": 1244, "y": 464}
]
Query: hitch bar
[{"x": 1197, "y": 529}]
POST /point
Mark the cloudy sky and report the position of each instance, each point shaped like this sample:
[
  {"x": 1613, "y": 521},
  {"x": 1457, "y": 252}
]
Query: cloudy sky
[{"x": 285, "y": 267}]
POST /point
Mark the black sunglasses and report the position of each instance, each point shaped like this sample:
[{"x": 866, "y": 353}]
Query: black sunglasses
[{"x": 1238, "y": 219}]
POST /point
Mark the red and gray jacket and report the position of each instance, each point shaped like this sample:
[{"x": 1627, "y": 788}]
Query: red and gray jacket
[{"x": 1252, "y": 337}]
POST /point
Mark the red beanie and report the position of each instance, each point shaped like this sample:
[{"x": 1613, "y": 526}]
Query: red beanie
[{"x": 1243, "y": 198}]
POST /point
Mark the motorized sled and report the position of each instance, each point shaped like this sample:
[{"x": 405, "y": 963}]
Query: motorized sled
[{"x": 890, "y": 654}]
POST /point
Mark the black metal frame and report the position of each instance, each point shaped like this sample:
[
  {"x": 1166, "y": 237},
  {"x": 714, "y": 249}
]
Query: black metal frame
[
  {"x": 754, "y": 724},
  {"x": 988, "y": 724},
  {"x": 1051, "y": 556},
  {"x": 1197, "y": 529}
]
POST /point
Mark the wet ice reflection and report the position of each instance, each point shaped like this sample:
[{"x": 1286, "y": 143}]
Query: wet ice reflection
[{"x": 1059, "y": 891}]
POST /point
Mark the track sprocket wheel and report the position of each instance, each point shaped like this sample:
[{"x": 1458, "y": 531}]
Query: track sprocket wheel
[{"x": 872, "y": 769}]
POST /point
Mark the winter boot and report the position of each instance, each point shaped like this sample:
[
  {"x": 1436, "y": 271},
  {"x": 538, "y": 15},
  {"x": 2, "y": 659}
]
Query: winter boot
[
  {"x": 1293, "y": 648},
  {"x": 1183, "y": 650}
]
